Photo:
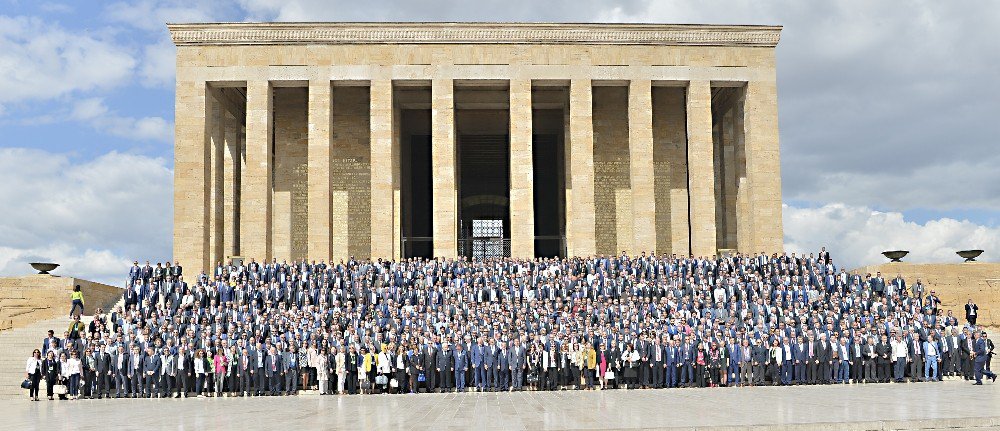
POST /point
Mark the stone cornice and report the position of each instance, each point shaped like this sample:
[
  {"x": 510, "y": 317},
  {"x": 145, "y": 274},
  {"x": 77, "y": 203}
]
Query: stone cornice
[{"x": 472, "y": 33}]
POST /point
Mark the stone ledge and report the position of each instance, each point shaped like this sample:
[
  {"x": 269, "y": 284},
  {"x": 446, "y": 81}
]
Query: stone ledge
[{"x": 472, "y": 33}]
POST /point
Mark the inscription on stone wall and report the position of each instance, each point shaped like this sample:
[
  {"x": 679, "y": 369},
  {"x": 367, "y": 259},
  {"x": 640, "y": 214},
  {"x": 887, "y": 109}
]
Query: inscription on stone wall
[
  {"x": 611, "y": 165},
  {"x": 350, "y": 170}
]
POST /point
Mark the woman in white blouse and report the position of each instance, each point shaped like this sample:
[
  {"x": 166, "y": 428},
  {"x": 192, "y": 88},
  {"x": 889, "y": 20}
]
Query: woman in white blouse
[
  {"x": 339, "y": 356},
  {"x": 72, "y": 371},
  {"x": 34, "y": 369},
  {"x": 322, "y": 375}
]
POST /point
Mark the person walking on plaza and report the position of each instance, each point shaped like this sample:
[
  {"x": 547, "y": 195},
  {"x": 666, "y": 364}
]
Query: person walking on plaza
[
  {"x": 980, "y": 355},
  {"x": 76, "y": 298},
  {"x": 33, "y": 368}
]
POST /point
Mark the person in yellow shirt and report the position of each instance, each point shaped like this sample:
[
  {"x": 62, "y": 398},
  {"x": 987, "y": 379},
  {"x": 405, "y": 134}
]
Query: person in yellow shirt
[
  {"x": 367, "y": 365},
  {"x": 77, "y": 298},
  {"x": 591, "y": 358}
]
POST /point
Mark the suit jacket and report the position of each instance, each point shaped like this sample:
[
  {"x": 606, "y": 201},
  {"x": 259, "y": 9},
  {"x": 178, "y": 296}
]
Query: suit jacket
[
  {"x": 517, "y": 357},
  {"x": 272, "y": 364},
  {"x": 461, "y": 361}
]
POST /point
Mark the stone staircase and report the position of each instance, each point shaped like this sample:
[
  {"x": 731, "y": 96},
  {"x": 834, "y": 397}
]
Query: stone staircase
[{"x": 17, "y": 346}]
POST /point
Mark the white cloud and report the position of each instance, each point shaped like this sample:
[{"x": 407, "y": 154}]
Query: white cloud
[
  {"x": 857, "y": 235},
  {"x": 89, "y": 216},
  {"x": 159, "y": 64},
  {"x": 152, "y": 15},
  {"x": 94, "y": 112},
  {"x": 40, "y": 60}
]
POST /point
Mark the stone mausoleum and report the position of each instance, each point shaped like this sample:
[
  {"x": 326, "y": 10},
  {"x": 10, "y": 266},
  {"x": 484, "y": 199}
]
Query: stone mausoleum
[{"x": 392, "y": 140}]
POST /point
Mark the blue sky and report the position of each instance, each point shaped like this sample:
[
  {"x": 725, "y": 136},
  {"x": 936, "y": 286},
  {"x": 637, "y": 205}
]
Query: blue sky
[{"x": 887, "y": 117}]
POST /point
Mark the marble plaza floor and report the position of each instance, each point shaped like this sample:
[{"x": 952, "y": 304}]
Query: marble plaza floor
[{"x": 950, "y": 404}]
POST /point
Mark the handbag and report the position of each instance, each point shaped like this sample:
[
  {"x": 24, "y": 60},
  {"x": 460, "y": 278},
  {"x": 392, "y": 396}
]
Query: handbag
[
  {"x": 59, "y": 389},
  {"x": 610, "y": 375},
  {"x": 394, "y": 383},
  {"x": 421, "y": 377},
  {"x": 381, "y": 380},
  {"x": 26, "y": 384}
]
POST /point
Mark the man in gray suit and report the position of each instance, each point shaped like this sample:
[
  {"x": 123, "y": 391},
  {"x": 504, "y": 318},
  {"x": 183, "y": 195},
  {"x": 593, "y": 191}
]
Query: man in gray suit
[
  {"x": 168, "y": 372},
  {"x": 517, "y": 362}
]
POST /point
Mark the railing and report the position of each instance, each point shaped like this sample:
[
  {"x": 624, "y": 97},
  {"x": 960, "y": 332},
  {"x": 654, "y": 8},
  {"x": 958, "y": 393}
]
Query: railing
[
  {"x": 545, "y": 245},
  {"x": 481, "y": 248}
]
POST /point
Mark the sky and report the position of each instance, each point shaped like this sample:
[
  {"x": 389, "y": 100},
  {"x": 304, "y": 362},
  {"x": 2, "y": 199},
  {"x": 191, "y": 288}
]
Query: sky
[{"x": 887, "y": 110}]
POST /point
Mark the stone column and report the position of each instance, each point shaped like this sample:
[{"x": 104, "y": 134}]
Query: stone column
[
  {"x": 318, "y": 177},
  {"x": 581, "y": 238},
  {"x": 443, "y": 168},
  {"x": 744, "y": 227},
  {"x": 701, "y": 173},
  {"x": 763, "y": 166},
  {"x": 256, "y": 235},
  {"x": 217, "y": 135},
  {"x": 522, "y": 202},
  {"x": 397, "y": 183},
  {"x": 191, "y": 175},
  {"x": 383, "y": 174},
  {"x": 640, "y": 144},
  {"x": 232, "y": 160},
  {"x": 730, "y": 179}
]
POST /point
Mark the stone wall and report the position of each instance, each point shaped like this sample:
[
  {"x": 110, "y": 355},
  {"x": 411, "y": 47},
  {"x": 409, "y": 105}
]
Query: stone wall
[
  {"x": 612, "y": 187},
  {"x": 350, "y": 173},
  {"x": 30, "y": 298},
  {"x": 670, "y": 166},
  {"x": 291, "y": 155},
  {"x": 954, "y": 283}
]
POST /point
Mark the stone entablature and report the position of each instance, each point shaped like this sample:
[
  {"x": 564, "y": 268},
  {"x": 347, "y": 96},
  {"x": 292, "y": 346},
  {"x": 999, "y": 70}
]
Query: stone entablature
[{"x": 472, "y": 33}]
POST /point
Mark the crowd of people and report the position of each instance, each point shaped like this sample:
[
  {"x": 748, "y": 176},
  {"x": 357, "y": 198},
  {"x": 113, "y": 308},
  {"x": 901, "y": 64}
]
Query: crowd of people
[{"x": 438, "y": 325}]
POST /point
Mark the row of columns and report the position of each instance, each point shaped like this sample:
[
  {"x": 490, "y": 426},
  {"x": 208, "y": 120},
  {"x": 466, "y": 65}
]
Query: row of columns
[{"x": 214, "y": 145}]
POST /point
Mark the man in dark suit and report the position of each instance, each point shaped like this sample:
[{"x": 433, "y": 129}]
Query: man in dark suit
[
  {"x": 503, "y": 368},
  {"x": 981, "y": 354},
  {"x": 461, "y": 366},
  {"x": 800, "y": 361},
  {"x": 883, "y": 350},
  {"x": 428, "y": 355},
  {"x": 273, "y": 371},
  {"x": 759, "y": 358},
  {"x": 103, "y": 373},
  {"x": 476, "y": 362},
  {"x": 490, "y": 366},
  {"x": 245, "y": 371},
  {"x": 150, "y": 372},
  {"x": 824, "y": 353},
  {"x": 657, "y": 360},
  {"x": 518, "y": 360},
  {"x": 446, "y": 367}
]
